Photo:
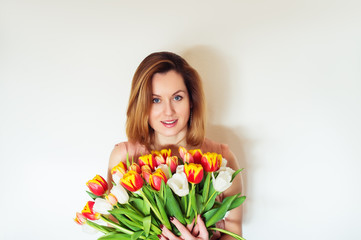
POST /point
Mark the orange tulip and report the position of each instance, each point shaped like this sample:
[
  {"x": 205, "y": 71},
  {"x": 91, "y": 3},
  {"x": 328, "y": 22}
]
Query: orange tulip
[
  {"x": 132, "y": 181},
  {"x": 88, "y": 211},
  {"x": 147, "y": 160},
  {"x": 172, "y": 162},
  {"x": 155, "y": 179},
  {"x": 97, "y": 185},
  {"x": 211, "y": 162},
  {"x": 194, "y": 172},
  {"x": 197, "y": 155}
]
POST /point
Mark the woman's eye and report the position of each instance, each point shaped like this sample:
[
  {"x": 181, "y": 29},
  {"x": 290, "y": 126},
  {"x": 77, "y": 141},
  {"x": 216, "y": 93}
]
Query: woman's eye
[
  {"x": 178, "y": 98},
  {"x": 156, "y": 100}
]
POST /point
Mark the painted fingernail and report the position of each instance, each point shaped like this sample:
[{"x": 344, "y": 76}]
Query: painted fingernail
[
  {"x": 171, "y": 218},
  {"x": 159, "y": 236},
  {"x": 161, "y": 226}
]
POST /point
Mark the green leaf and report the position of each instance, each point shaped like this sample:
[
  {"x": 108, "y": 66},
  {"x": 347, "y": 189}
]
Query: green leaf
[
  {"x": 235, "y": 173},
  {"x": 237, "y": 202},
  {"x": 211, "y": 198},
  {"x": 199, "y": 202},
  {"x": 126, "y": 223},
  {"x": 173, "y": 207},
  {"x": 99, "y": 227},
  {"x": 221, "y": 211},
  {"x": 162, "y": 212},
  {"x": 140, "y": 206},
  {"x": 146, "y": 224},
  {"x": 206, "y": 187},
  {"x": 128, "y": 164},
  {"x": 130, "y": 213},
  {"x": 115, "y": 236},
  {"x": 92, "y": 195}
]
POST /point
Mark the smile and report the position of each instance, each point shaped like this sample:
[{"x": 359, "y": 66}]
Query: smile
[{"x": 170, "y": 123}]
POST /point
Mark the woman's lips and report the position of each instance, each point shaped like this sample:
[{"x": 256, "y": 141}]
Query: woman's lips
[{"x": 170, "y": 123}]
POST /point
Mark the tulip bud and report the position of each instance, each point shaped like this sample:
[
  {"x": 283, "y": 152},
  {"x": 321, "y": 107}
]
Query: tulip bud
[
  {"x": 98, "y": 186},
  {"x": 194, "y": 172},
  {"x": 135, "y": 167},
  {"x": 111, "y": 198},
  {"x": 182, "y": 151},
  {"x": 188, "y": 158},
  {"x": 89, "y": 212},
  {"x": 223, "y": 180},
  {"x": 102, "y": 206},
  {"x": 179, "y": 184},
  {"x": 155, "y": 179},
  {"x": 165, "y": 169},
  {"x": 197, "y": 155},
  {"x": 132, "y": 181},
  {"x": 147, "y": 160},
  {"x": 120, "y": 194},
  {"x": 80, "y": 219},
  {"x": 172, "y": 162},
  {"x": 146, "y": 171},
  {"x": 211, "y": 162}
]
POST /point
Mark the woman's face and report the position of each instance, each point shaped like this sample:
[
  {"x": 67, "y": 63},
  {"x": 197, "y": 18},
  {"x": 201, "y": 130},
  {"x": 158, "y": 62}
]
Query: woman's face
[{"x": 170, "y": 107}]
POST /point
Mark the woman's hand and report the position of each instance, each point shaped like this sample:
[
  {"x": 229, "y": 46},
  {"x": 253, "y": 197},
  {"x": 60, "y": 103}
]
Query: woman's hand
[{"x": 189, "y": 232}]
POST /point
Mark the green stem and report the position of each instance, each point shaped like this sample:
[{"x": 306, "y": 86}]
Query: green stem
[
  {"x": 190, "y": 200},
  {"x": 152, "y": 207},
  {"x": 236, "y": 236},
  {"x": 124, "y": 230},
  {"x": 209, "y": 200}
]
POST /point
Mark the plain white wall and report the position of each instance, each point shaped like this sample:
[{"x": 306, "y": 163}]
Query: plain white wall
[{"x": 282, "y": 80}]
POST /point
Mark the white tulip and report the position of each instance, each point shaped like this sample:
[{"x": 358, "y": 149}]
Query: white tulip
[
  {"x": 179, "y": 184},
  {"x": 180, "y": 169},
  {"x": 165, "y": 169},
  {"x": 102, "y": 206},
  {"x": 120, "y": 193},
  {"x": 224, "y": 162},
  {"x": 223, "y": 180},
  {"x": 116, "y": 178}
]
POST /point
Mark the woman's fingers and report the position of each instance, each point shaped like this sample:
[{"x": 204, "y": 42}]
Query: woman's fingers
[
  {"x": 203, "y": 233},
  {"x": 190, "y": 226},
  {"x": 185, "y": 233},
  {"x": 167, "y": 234}
]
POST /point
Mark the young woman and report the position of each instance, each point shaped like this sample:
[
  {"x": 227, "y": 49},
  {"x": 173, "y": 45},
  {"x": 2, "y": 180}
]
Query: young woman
[{"x": 167, "y": 110}]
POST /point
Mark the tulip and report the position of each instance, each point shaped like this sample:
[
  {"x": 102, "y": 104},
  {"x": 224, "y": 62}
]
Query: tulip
[
  {"x": 211, "y": 161},
  {"x": 188, "y": 158},
  {"x": 172, "y": 162},
  {"x": 80, "y": 219},
  {"x": 102, "y": 206},
  {"x": 182, "y": 151},
  {"x": 147, "y": 160},
  {"x": 120, "y": 194},
  {"x": 89, "y": 212},
  {"x": 179, "y": 184},
  {"x": 111, "y": 198},
  {"x": 118, "y": 171},
  {"x": 165, "y": 169},
  {"x": 194, "y": 172},
  {"x": 223, "y": 180},
  {"x": 180, "y": 169},
  {"x": 146, "y": 172},
  {"x": 98, "y": 186},
  {"x": 155, "y": 179},
  {"x": 197, "y": 155},
  {"x": 135, "y": 167},
  {"x": 132, "y": 181}
]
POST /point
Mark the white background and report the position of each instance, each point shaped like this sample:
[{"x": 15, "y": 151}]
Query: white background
[{"x": 282, "y": 81}]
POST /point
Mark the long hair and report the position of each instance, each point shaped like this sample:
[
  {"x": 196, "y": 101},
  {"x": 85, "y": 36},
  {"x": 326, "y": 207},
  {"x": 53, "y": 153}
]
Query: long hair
[{"x": 137, "y": 127}]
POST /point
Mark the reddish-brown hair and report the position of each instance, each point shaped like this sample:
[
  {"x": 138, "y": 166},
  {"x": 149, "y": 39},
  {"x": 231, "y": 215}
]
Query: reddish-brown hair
[{"x": 137, "y": 127}]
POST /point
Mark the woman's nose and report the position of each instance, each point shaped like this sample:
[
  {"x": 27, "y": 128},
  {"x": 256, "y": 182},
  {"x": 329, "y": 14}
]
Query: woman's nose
[{"x": 169, "y": 108}]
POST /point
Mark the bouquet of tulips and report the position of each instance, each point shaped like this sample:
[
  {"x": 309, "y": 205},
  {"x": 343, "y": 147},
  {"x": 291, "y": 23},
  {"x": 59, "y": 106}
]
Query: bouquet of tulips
[{"x": 146, "y": 194}]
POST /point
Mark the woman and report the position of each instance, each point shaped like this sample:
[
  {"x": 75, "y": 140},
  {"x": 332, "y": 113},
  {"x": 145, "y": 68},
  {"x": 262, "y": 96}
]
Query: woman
[{"x": 167, "y": 110}]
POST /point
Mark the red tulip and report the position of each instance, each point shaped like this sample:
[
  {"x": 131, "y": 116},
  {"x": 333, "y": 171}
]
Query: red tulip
[
  {"x": 97, "y": 185},
  {"x": 155, "y": 179},
  {"x": 194, "y": 172},
  {"x": 147, "y": 160},
  {"x": 172, "y": 162},
  {"x": 197, "y": 155},
  {"x": 188, "y": 158},
  {"x": 132, "y": 181},
  {"x": 211, "y": 162},
  {"x": 88, "y": 211},
  {"x": 146, "y": 172}
]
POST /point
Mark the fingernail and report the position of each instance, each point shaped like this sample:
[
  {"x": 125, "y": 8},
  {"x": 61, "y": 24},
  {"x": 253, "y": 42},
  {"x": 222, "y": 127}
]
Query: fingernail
[
  {"x": 161, "y": 226},
  {"x": 171, "y": 218},
  {"x": 159, "y": 236}
]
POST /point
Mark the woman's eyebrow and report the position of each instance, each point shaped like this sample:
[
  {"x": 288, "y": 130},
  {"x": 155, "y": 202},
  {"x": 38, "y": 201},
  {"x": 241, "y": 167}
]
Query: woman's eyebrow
[{"x": 179, "y": 91}]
